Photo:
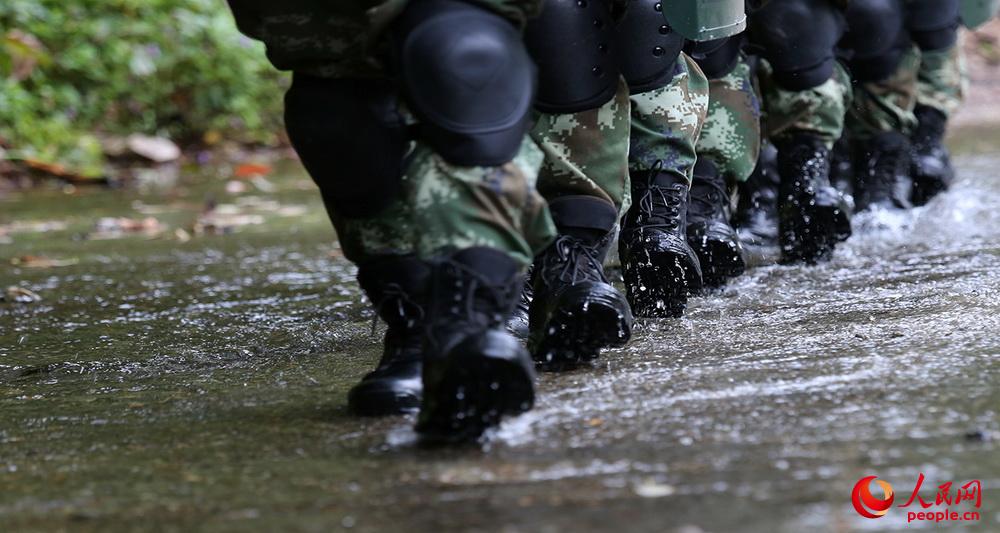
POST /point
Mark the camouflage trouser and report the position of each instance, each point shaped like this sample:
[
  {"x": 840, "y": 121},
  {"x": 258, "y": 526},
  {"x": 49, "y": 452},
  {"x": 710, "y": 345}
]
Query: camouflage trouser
[
  {"x": 731, "y": 135},
  {"x": 589, "y": 153},
  {"x": 666, "y": 122},
  {"x": 935, "y": 79},
  {"x": 943, "y": 81},
  {"x": 886, "y": 105},
  {"x": 819, "y": 111},
  {"x": 443, "y": 206},
  {"x": 586, "y": 153}
]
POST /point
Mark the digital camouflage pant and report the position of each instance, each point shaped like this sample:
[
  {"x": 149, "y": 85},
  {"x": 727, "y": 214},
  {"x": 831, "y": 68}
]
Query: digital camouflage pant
[
  {"x": 935, "y": 79},
  {"x": 819, "y": 111},
  {"x": 591, "y": 152},
  {"x": 730, "y": 137}
]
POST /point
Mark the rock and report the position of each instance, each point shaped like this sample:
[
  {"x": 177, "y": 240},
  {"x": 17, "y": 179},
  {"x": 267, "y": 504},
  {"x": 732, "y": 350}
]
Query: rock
[{"x": 156, "y": 149}]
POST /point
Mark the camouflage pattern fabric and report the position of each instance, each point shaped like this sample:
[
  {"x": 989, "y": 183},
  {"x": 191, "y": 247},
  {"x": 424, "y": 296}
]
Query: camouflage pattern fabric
[
  {"x": 730, "y": 137},
  {"x": 942, "y": 80},
  {"x": 819, "y": 111},
  {"x": 445, "y": 207},
  {"x": 666, "y": 122},
  {"x": 338, "y": 39},
  {"x": 887, "y": 105},
  {"x": 586, "y": 153}
]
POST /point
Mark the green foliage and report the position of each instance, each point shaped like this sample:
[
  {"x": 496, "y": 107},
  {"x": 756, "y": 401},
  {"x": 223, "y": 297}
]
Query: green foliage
[{"x": 73, "y": 71}]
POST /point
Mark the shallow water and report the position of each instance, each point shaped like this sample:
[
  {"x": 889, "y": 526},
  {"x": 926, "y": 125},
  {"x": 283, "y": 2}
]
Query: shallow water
[{"x": 201, "y": 385}]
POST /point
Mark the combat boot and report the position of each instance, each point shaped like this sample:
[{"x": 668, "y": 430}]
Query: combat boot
[
  {"x": 658, "y": 265},
  {"x": 575, "y": 311},
  {"x": 474, "y": 371},
  {"x": 812, "y": 214},
  {"x": 930, "y": 165},
  {"x": 708, "y": 230},
  {"x": 756, "y": 217},
  {"x": 882, "y": 165},
  {"x": 397, "y": 287}
]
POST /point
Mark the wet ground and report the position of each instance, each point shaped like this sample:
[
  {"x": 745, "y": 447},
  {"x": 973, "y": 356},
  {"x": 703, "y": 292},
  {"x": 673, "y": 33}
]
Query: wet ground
[{"x": 177, "y": 381}]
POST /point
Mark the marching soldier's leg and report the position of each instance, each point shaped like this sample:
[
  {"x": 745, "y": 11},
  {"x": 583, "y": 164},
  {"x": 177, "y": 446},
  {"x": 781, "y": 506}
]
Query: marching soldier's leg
[
  {"x": 878, "y": 125},
  {"x": 727, "y": 154},
  {"x": 659, "y": 265},
  {"x": 884, "y": 117},
  {"x": 805, "y": 95},
  {"x": 941, "y": 84},
  {"x": 573, "y": 311},
  {"x": 443, "y": 227}
]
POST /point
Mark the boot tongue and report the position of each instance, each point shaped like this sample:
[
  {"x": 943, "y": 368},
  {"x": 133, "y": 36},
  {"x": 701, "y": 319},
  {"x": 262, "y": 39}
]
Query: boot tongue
[
  {"x": 587, "y": 218},
  {"x": 493, "y": 265}
]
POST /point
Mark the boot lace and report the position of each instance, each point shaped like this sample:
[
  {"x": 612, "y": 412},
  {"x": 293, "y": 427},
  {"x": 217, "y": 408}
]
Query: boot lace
[
  {"x": 573, "y": 261},
  {"x": 475, "y": 300},
  {"x": 707, "y": 196},
  {"x": 394, "y": 293},
  {"x": 660, "y": 206}
]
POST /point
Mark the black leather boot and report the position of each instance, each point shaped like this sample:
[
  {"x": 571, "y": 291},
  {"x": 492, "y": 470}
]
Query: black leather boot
[
  {"x": 474, "y": 371},
  {"x": 708, "y": 230},
  {"x": 812, "y": 214},
  {"x": 882, "y": 171},
  {"x": 575, "y": 311},
  {"x": 659, "y": 266},
  {"x": 930, "y": 165},
  {"x": 756, "y": 217},
  {"x": 397, "y": 287}
]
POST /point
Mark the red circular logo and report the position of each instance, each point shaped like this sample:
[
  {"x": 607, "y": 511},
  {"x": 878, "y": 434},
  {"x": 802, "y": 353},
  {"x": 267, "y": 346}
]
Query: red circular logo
[{"x": 866, "y": 504}]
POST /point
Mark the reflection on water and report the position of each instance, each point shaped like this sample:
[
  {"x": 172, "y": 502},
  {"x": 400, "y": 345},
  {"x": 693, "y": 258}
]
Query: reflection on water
[{"x": 202, "y": 385}]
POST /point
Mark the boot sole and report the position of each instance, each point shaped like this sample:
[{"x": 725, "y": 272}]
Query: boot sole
[
  {"x": 660, "y": 288},
  {"x": 478, "y": 391},
  {"x": 576, "y": 335}
]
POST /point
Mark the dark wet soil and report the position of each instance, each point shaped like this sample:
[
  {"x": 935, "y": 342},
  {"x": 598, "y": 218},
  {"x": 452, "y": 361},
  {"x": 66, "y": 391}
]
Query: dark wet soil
[{"x": 171, "y": 384}]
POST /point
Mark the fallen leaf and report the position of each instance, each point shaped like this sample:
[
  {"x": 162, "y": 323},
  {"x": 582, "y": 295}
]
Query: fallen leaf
[
  {"x": 36, "y": 261},
  {"x": 20, "y": 295},
  {"x": 252, "y": 170},
  {"x": 116, "y": 227},
  {"x": 182, "y": 235}
]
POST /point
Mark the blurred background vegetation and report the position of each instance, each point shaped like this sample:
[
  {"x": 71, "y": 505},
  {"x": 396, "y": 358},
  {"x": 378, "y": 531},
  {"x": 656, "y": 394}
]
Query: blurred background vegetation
[{"x": 75, "y": 76}]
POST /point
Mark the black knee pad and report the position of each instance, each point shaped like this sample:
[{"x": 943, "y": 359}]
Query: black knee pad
[
  {"x": 572, "y": 42},
  {"x": 865, "y": 68},
  {"x": 876, "y": 38},
  {"x": 933, "y": 24},
  {"x": 647, "y": 47},
  {"x": 716, "y": 58},
  {"x": 873, "y": 27},
  {"x": 468, "y": 77},
  {"x": 798, "y": 38},
  {"x": 350, "y": 138}
]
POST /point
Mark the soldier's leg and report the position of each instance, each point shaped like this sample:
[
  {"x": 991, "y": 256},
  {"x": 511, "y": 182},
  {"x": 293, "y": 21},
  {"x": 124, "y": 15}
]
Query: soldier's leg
[
  {"x": 805, "y": 94},
  {"x": 572, "y": 309},
  {"x": 878, "y": 125},
  {"x": 941, "y": 84},
  {"x": 727, "y": 154},
  {"x": 441, "y": 228},
  {"x": 884, "y": 117},
  {"x": 659, "y": 266}
]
